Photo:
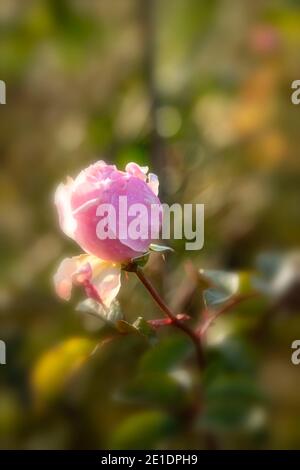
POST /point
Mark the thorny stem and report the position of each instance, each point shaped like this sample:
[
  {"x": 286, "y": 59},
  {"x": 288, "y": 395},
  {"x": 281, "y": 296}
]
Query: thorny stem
[{"x": 175, "y": 322}]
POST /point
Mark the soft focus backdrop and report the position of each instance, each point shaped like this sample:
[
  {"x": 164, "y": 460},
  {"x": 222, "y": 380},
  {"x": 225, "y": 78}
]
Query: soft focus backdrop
[{"x": 200, "y": 91}]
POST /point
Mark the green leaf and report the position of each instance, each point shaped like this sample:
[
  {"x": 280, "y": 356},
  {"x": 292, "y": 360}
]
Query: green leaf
[
  {"x": 223, "y": 285},
  {"x": 144, "y": 430},
  {"x": 229, "y": 402},
  {"x": 224, "y": 416},
  {"x": 228, "y": 387},
  {"x": 125, "y": 328},
  {"x": 108, "y": 315},
  {"x": 232, "y": 355},
  {"x": 140, "y": 327},
  {"x": 154, "y": 389},
  {"x": 141, "y": 261},
  {"x": 166, "y": 355},
  {"x": 160, "y": 248},
  {"x": 144, "y": 328},
  {"x": 134, "y": 263}
]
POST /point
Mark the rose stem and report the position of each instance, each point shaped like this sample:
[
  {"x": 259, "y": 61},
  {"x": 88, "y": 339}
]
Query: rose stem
[{"x": 175, "y": 322}]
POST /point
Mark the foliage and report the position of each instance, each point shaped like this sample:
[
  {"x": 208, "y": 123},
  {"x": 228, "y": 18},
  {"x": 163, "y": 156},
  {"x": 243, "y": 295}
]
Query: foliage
[{"x": 212, "y": 117}]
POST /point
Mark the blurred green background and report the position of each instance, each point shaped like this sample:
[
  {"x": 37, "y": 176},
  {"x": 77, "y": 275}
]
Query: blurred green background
[{"x": 199, "y": 90}]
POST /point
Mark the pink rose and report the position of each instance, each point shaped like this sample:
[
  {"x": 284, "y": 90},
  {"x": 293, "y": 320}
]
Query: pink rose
[
  {"x": 80, "y": 202},
  {"x": 100, "y": 279}
]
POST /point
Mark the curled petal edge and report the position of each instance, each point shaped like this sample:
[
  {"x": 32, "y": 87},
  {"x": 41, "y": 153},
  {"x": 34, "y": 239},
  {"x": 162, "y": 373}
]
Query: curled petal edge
[{"x": 100, "y": 279}]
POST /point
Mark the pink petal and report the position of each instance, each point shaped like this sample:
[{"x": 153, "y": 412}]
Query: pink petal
[
  {"x": 153, "y": 183},
  {"x": 62, "y": 200},
  {"x": 107, "y": 280},
  {"x": 63, "y": 279},
  {"x": 101, "y": 279},
  {"x": 136, "y": 170},
  {"x": 83, "y": 274}
]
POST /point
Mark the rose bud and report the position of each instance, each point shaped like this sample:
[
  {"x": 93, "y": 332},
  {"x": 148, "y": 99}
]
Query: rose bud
[{"x": 114, "y": 216}]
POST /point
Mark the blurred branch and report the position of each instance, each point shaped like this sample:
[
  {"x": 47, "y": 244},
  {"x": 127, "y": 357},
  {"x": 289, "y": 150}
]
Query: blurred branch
[
  {"x": 148, "y": 9},
  {"x": 189, "y": 287}
]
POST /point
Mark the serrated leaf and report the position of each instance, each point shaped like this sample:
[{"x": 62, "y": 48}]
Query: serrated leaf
[
  {"x": 160, "y": 248},
  {"x": 143, "y": 431}
]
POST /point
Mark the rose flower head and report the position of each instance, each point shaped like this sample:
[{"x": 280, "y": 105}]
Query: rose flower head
[{"x": 114, "y": 216}]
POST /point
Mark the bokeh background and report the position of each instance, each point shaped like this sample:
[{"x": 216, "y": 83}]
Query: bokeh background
[{"x": 199, "y": 90}]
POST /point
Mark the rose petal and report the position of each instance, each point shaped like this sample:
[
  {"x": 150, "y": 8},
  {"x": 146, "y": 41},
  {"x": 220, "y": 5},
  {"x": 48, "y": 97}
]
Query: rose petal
[
  {"x": 83, "y": 274},
  {"x": 63, "y": 279},
  {"x": 153, "y": 183},
  {"x": 136, "y": 170},
  {"x": 78, "y": 202},
  {"x": 107, "y": 280},
  {"x": 62, "y": 201},
  {"x": 99, "y": 277}
]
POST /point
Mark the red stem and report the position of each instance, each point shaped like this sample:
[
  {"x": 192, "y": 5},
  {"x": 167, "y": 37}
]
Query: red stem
[{"x": 175, "y": 322}]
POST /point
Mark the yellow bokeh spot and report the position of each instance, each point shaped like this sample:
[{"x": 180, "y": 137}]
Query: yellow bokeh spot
[{"x": 57, "y": 366}]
